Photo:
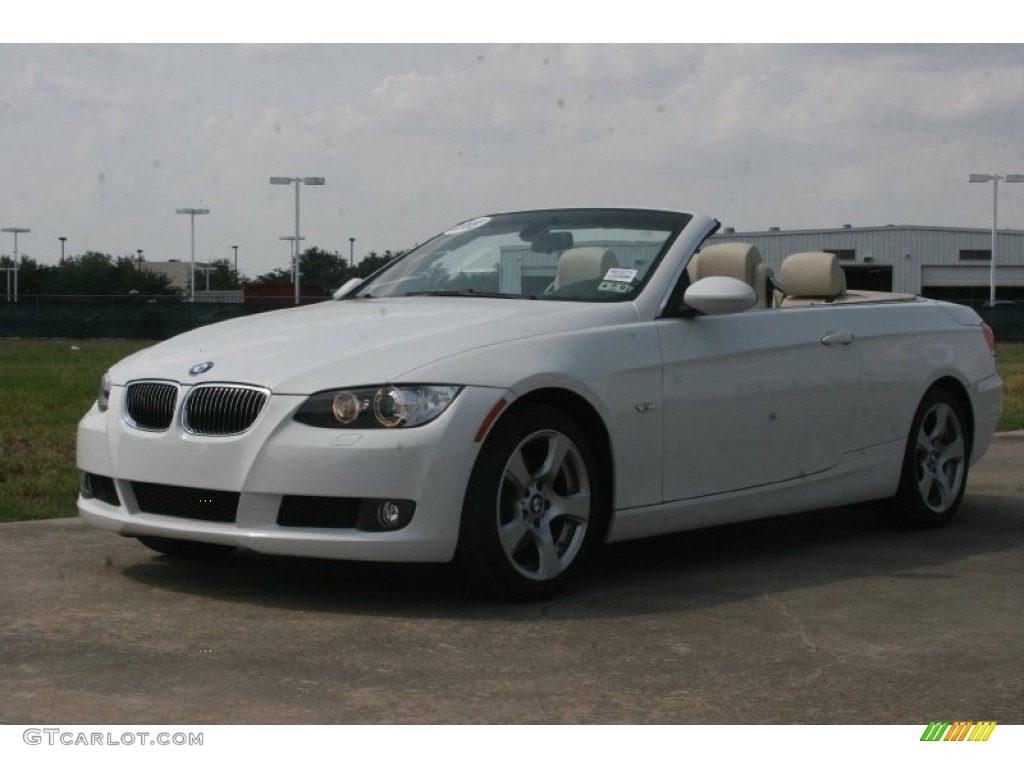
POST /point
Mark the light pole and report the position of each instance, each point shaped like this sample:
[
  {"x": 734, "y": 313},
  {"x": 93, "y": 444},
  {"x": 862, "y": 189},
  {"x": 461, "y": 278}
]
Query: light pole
[
  {"x": 7, "y": 274},
  {"x": 297, "y": 180},
  {"x": 351, "y": 251},
  {"x": 995, "y": 178},
  {"x": 236, "y": 261},
  {"x": 192, "y": 213},
  {"x": 62, "y": 241},
  {"x": 139, "y": 251},
  {"x": 16, "y": 231},
  {"x": 295, "y": 259}
]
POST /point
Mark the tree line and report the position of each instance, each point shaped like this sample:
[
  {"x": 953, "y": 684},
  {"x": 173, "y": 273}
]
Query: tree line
[
  {"x": 327, "y": 270},
  {"x": 100, "y": 274}
]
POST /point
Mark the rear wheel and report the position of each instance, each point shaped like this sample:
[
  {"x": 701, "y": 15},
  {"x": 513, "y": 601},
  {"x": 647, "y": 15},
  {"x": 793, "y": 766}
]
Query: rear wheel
[
  {"x": 935, "y": 464},
  {"x": 185, "y": 550},
  {"x": 532, "y": 509}
]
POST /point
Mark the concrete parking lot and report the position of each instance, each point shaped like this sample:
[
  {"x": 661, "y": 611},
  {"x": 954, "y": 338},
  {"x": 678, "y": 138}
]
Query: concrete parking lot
[{"x": 826, "y": 617}]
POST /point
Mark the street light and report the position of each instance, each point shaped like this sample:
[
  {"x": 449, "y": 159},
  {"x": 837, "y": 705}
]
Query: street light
[
  {"x": 192, "y": 213},
  {"x": 236, "y": 261},
  {"x": 62, "y": 241},
  {"x": 297, "y": 180},
  {"x": 295, "y": 257},
  {"x": 16, "y": 231},
  {"x": 351, "y": 251},
  {"x": 995, "y": 178}
]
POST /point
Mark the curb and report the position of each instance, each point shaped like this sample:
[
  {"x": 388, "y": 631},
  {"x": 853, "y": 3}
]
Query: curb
[{"x": 1017, "y": 434}]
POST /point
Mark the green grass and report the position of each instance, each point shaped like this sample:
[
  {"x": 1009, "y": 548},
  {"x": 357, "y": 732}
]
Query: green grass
[
  {"x": 1011, "y": 367},
  {"x": 46, "y": 386}
]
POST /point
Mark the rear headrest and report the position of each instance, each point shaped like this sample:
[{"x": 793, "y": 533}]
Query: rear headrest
[
  {"x": 737, "y": 260},
  {"x": 586, "y": 263},
  {"x": 813, "y": 274}
]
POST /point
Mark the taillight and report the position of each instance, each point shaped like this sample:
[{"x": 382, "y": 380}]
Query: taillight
[{"x": 990, "y": 337}]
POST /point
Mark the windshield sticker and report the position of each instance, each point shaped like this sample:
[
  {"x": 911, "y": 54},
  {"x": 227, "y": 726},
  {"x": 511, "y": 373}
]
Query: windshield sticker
[
  {"x": 468, "y": 225},
  {"x": 621, "y": 275},
  {"x": 615, "y": 286}
]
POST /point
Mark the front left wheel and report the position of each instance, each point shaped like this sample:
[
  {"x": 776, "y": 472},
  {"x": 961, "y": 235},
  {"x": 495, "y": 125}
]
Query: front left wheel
[{"x": 533, "y": 508}]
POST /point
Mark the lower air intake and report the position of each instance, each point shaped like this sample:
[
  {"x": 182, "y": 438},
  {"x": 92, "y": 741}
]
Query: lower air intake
[{"x": 190, "y": 503}]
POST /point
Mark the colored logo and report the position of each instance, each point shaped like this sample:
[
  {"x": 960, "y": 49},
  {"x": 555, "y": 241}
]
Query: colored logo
[
  {"x": 198, "y": 368},
  {"x": 961, "y": 730}
]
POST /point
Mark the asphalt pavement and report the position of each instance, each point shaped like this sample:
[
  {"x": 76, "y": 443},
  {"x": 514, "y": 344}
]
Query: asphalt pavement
[{"x": 824, "y": 617}]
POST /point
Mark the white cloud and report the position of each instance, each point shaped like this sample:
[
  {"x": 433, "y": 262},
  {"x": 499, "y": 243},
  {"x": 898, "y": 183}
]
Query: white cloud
[{"x": 104, "y": 142}]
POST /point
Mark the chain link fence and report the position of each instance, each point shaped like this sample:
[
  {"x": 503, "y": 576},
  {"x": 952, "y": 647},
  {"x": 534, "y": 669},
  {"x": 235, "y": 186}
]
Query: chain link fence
[
  {"x": 1007, "y": 320},
  {"x": 122, "y": 317},
  {"x": 160, "y": 317}
]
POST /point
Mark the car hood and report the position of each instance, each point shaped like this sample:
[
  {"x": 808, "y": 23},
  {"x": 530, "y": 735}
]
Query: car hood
[{"x": 356, "y": 341}]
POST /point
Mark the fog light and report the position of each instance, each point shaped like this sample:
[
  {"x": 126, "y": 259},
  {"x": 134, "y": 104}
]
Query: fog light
[
  {"x": 379, "y": 515},
  {"x": 388, "y": 514}
]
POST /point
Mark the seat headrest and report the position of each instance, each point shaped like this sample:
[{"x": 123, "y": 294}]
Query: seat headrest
[
  {"x": 585, "y": 263},
  {"x": 813, "y": 274},
  {"x": 737, "y": 260}
]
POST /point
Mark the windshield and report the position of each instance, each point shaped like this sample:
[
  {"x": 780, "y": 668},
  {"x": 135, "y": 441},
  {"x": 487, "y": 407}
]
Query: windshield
[{"x": 569, "y": 255}]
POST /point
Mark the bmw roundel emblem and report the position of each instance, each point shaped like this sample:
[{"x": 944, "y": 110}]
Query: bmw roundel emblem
[{"x": 198, "y": 368}]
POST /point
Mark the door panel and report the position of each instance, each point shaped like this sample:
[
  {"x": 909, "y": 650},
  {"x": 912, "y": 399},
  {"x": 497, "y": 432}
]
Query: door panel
[{"x": 754, "y": 398}]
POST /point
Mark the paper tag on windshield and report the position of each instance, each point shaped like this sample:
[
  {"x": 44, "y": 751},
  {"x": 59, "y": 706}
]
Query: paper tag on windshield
[
  {"x": 468, "y": 225},
  {"x": 621, "y": 275}
]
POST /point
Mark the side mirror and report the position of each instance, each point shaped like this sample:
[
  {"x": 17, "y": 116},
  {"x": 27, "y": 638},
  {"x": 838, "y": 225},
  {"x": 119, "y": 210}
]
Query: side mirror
[
  {"x": 719, "y": 296},
  {"x": 347, "y": 287}
]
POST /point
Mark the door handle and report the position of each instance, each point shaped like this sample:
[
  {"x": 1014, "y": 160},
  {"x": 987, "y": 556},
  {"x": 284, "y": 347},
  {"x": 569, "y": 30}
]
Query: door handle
[{"x": 837, "y": 339}]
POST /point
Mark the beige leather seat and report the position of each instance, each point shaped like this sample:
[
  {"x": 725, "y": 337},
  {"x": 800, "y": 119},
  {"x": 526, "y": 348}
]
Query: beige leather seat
[
  {"x": 586, "y": 263},
  {"x": 817, "y": 278},
  {"x": 739, "y": 260},
  {"x": 813, "y": 277}
]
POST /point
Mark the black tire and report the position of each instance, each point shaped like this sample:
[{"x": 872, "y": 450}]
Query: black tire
[
  {"x": 534, "y": 507},
  {"x": 186, "y": 550},
  {"x": 935, "y": 464}
]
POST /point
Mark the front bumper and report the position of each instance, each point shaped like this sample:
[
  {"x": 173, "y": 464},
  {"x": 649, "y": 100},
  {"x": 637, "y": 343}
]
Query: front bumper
[{"x": 428, "y": 465}]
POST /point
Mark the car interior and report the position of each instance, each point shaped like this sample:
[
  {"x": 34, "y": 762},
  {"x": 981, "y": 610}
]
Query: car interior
[
  {"x": 586, "y": 263},
  {"x": 810, "y": 278}
]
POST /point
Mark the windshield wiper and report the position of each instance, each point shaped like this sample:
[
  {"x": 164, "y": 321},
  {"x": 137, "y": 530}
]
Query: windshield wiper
[{"x": 471, "y": 293}]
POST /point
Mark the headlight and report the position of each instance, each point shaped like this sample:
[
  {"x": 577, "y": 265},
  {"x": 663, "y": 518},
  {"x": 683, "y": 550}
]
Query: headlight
[
  {"x": 103, "y": 397},
  {"x": 387, "y": 406}
]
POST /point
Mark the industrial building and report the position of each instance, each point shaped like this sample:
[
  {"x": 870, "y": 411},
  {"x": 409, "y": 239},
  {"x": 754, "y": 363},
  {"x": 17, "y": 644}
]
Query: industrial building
[
  {"x": 938, "y": 262},
  {"x": 180, "y": 274}
]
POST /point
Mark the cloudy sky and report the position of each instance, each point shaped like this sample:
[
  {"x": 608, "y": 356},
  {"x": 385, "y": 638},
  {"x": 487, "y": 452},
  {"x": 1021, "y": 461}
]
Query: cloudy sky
[{"x": 101, "y": 143}]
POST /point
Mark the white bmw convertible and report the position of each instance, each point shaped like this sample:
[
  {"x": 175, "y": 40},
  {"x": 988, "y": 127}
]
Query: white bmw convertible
[{"x": 527, "y": 386}]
